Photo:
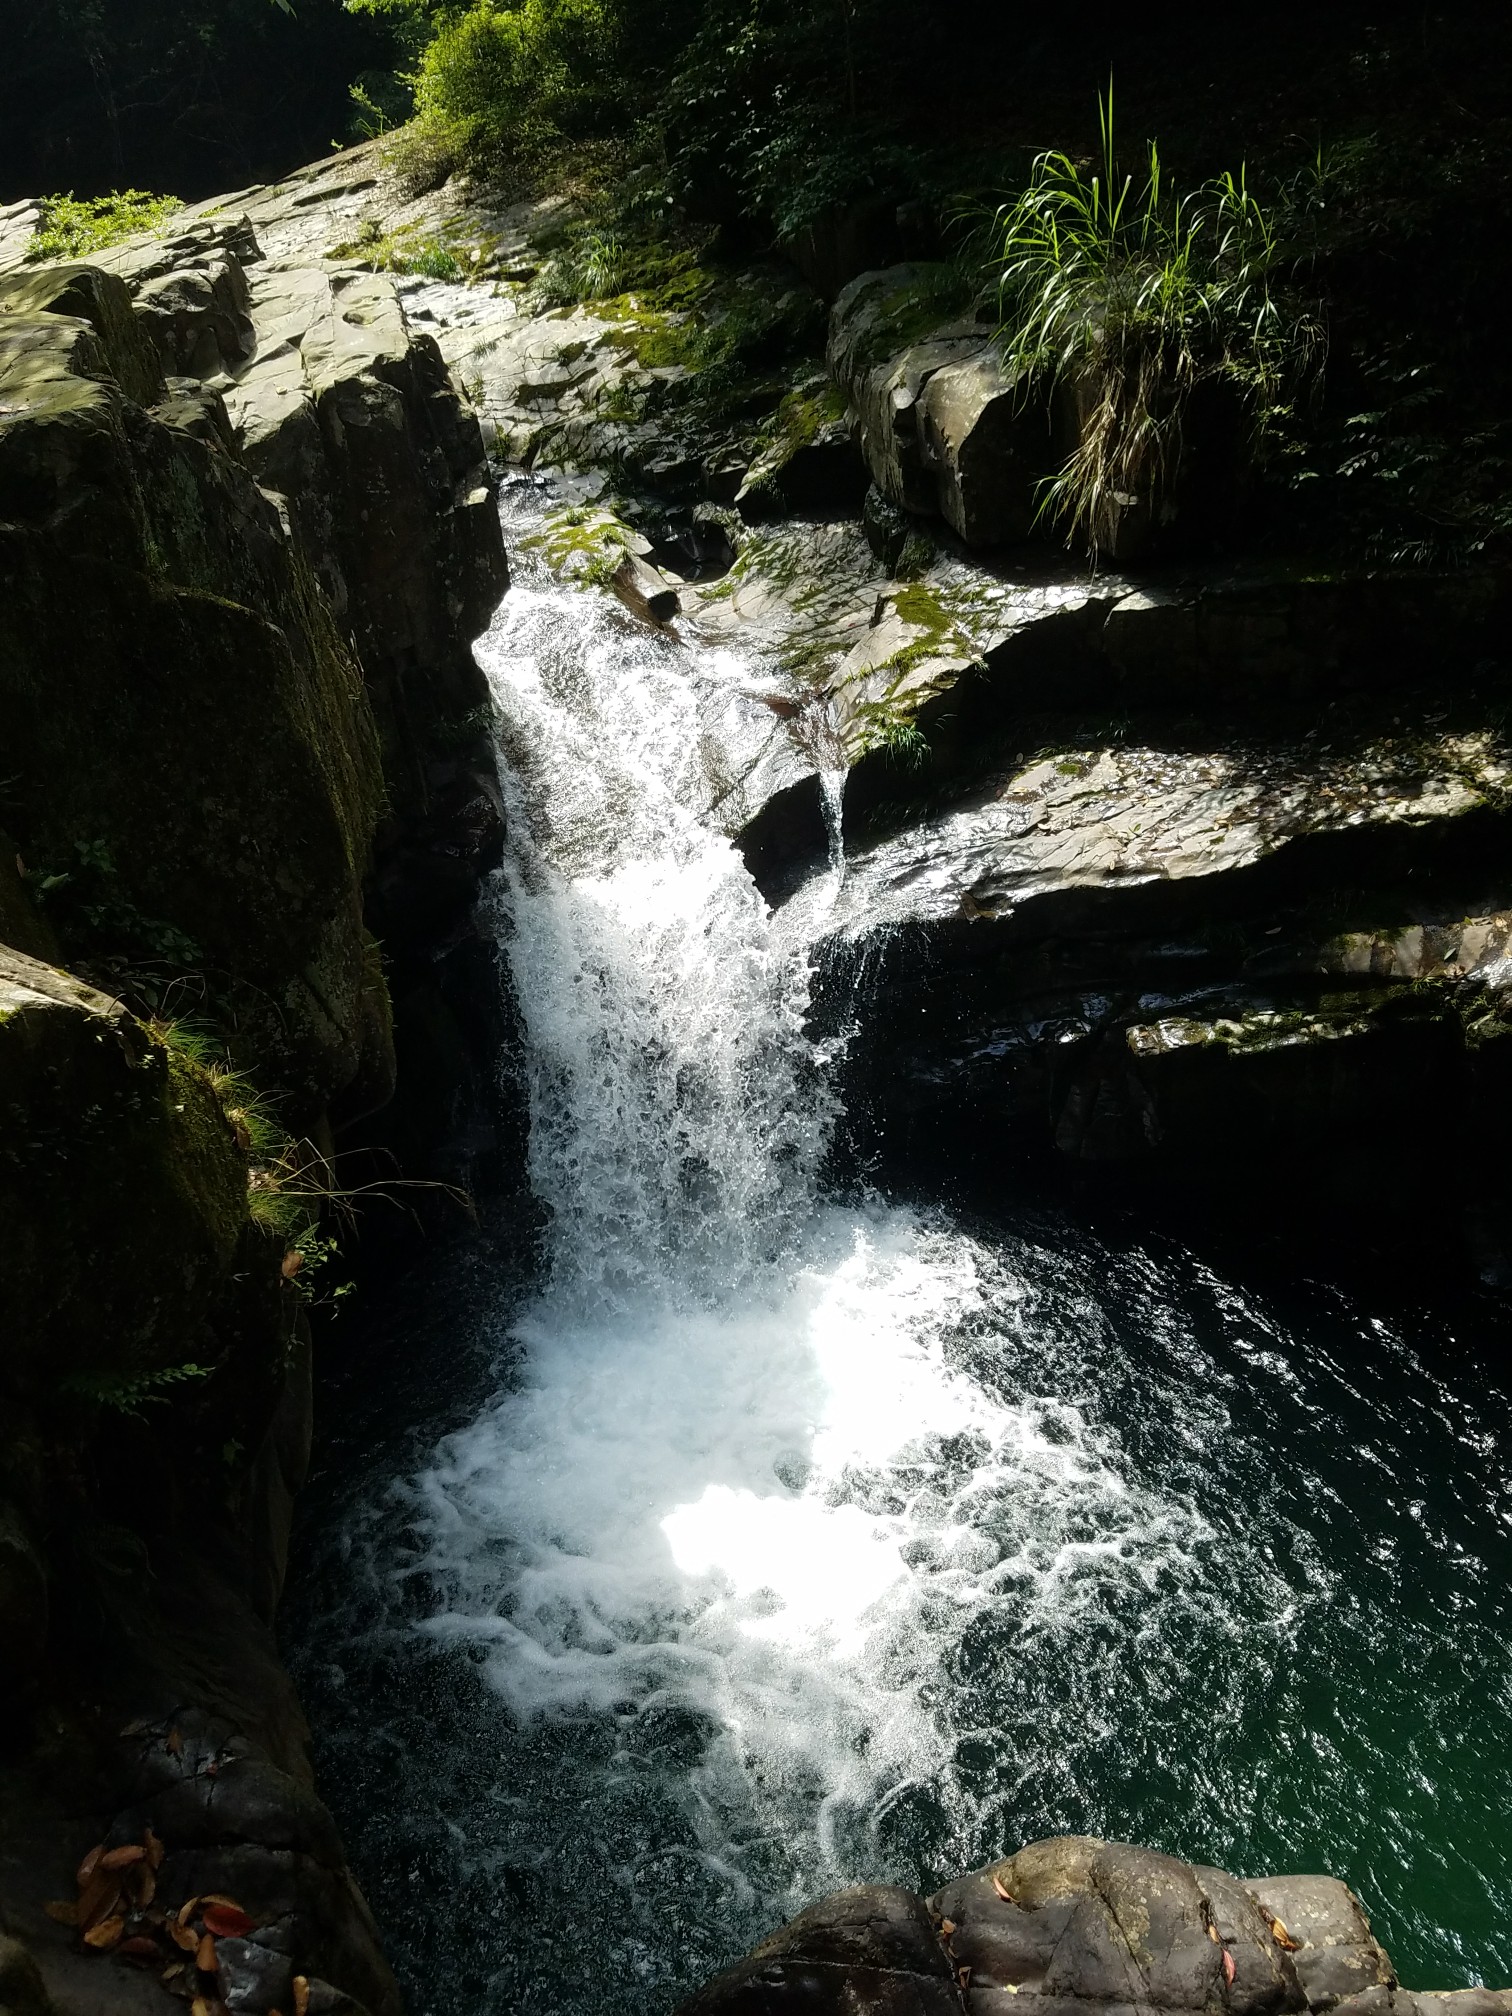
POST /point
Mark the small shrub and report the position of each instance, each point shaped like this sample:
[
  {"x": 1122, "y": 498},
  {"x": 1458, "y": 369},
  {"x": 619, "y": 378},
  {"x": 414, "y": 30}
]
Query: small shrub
[
  {"x": 73, "y": 227},
  {"x": 500, "y": 81},
  {"x": 1135, "y": 297}
]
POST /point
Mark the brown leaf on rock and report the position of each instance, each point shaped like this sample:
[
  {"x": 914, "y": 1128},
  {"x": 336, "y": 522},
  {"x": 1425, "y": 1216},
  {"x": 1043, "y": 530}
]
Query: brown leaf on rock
[
  {"x": 140, "y": 1947},
  {"x": 301, "y": 1995},
  {"x": 1002, "y": 1888},
  {"x": 186, "y": 1940},
  {"x": 187, "y": 1910},
  {"x": 1283, "y": 1938},
  {"x": 220, "y": 1897},
  {"x": 1228, "y": 1966},
  {"x": 88, "y": 1866},
  {"x": 154, "y": 1849},
  {"x": 227, "y": 1921},
  {"x": 175, "y": 1741},
  {"x": 947, "y": 1926},
  {"x": 106, "y": 1934},
  {"x": 143, "y": 1883},
  {"x": 963, "y": 1975},
  {"x": 203, "y": 2006},
  {"x": 292, "y": 1263},
  {"x": 123, "y": 1858},
  {"x": 1213, "y": 1933},
  {"x": 100, "y": 1897},
  {"x": 173, "y": 1970},
  {"x": 63, "y": 1911},
  {"x": 204, "y": 1956}
]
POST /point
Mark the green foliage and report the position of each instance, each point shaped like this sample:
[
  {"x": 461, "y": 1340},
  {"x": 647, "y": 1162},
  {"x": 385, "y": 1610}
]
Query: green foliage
[
  {"x": 73, "y": 227},
  {"x": 406, "y": 250},
  {"x": 129, "y": 1393},
  {"x": 1130, "y": 297},
  {"x": 496, "y": 82}
]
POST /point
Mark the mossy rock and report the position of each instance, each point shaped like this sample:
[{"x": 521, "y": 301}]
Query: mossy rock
[
  {"x": 122, "y": 1190},
  {"x": 192, "y": 765}
]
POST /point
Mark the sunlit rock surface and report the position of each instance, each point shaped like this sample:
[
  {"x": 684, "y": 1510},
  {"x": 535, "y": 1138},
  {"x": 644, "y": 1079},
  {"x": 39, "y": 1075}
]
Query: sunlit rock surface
[{"x": 1073, "y": 1924}]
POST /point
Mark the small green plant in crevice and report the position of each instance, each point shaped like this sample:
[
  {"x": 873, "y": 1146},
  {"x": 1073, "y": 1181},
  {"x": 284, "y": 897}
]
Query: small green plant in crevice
[
  {"x": 903, "y": 741},
  {"x": 1129, "y": 297},
  {"x": 72, "y": 227},
  {"x": 404, "y": 250}
]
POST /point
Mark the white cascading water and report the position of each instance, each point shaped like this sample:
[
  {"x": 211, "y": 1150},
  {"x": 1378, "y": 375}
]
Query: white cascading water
[
  {"x": 804, "y": 1542},
  {"x": 742, "y": 1464}
]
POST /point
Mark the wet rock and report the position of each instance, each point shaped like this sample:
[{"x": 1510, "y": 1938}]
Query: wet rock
[
  {"x": 872, "y": 1948},
  {"x": 643, "y": 590},
  {"x": 1338, "y": 1956},
  {"x": 1077, "y": 1924}
]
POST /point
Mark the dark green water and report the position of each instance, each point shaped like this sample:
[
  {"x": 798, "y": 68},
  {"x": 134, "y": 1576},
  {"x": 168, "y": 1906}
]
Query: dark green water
[{"x": 1256, "y": 1612}]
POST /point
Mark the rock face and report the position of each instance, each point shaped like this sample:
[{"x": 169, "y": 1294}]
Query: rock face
[
  {"x": 246, "y": 541},
  {"x": 1077, "y": 1924},
  {"x": 941, "y": 424}
]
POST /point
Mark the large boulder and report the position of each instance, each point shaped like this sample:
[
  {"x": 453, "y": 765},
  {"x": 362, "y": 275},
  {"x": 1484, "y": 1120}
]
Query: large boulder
[
  {"x": 944, "y": 427},
  {"x": 1074, "y": 1926}
]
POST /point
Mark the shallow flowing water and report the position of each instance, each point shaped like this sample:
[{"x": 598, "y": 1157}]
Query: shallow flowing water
[{"x": 761, "y": 1540}]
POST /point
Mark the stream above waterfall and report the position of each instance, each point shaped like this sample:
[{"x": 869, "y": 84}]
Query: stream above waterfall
[{"x": 756, "y": 1537}]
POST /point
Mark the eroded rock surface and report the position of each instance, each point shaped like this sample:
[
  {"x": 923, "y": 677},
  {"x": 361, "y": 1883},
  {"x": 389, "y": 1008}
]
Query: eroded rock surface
[{"x": 1078, "y": 1924}]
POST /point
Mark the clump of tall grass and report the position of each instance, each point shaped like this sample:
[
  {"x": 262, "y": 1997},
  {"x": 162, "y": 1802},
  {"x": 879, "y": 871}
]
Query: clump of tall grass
[{"x": 1126, "y": 297}]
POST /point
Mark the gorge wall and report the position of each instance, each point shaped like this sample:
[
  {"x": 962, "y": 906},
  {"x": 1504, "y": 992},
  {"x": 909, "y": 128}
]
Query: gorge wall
[{"x": 247, "y": 537}]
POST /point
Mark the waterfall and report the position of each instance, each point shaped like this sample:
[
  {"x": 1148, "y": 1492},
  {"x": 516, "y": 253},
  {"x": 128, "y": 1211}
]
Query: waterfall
[
  {"x": 832, "y": 797},
  {"x": 805, "y": 1540},
  {"x": 742, "y": 1467}
]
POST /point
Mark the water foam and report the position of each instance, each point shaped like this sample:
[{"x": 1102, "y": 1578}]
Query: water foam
[{"x": 749, "y": 1461}]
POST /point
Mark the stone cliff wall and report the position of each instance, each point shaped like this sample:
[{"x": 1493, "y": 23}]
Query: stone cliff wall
[{"x": 246, "y": 541}]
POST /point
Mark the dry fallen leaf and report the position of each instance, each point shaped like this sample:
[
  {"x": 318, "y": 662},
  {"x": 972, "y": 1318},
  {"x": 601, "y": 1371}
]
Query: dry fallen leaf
[
  {"x": 122, "y": 1858},
  {"x": 175, "y": 1741},
  {"x": 140, "y": 1947},
  {"x": 292, "y": 1262},
  {"x": 1213, "y": 1934},
  {"x": 963, "y": 1975},
  {"x": 301, "y": 1996},
  {"x": 1283, "y": 1938},
  {"x": 227, "y": 1921},
  {"x": 88, "y": 1866},
  {"x": 220, "y": 1897},
  {"x": 154, "y": 1848},
  {"x": 173, "y": 1971},
  {"x": 106, "y": 1934},
  {"x": 947, "y": 1926},
  {"x": 1228, "y": 1966},
  {"x": 100, "y": 1898},
  {"x": 202, "y": 2006},
  {"x": 143, "y": 1883},
  {"x": 1002, "y": 1889},
  {"x": 63, "y": 1911},
  {"x": 182, "y": 1937},
  {"x": 187, "y": 1911},
  {"x": 204, "y": 1957}
]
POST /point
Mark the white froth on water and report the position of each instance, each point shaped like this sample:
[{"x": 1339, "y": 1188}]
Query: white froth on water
[{"x": 748, "y": 1462}]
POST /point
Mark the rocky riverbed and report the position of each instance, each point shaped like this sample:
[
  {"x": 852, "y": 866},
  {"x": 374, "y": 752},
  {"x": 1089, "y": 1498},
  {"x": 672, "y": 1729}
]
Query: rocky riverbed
[{"x": 1198, "y": 870}]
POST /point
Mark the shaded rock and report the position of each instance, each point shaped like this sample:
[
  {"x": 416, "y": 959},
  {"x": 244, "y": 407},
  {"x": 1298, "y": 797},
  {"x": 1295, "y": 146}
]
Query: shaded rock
[
  {"x": 872, "y": 1948},
  {"x": 22, "y": 1991},
  {"x": 191, "y": 296},
  {"x": 122, "y": 1190},
  {"x": 23, "y": 1610}
]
